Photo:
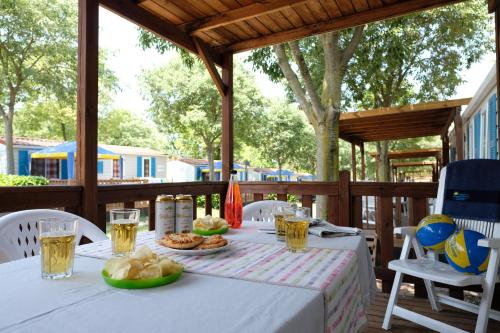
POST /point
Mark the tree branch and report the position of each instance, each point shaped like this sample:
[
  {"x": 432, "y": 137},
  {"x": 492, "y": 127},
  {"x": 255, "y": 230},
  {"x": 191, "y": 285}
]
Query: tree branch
[
  {"x": 306, "y": 76},
  {"x": 353, "y": 44},
  {"x": 294, "y": 82}
]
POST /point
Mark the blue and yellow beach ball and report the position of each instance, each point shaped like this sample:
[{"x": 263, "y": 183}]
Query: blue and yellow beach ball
[
  {"x": 433, "y": 230},
  {"x": 463, "y": 253}
]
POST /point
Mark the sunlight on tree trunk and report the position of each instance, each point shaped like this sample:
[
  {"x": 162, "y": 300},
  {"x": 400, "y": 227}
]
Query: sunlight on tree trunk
[
  {"x": 210, "y": 157},
  {"x": 9, "y": 145},
  {"x": 384, "y": 169}
]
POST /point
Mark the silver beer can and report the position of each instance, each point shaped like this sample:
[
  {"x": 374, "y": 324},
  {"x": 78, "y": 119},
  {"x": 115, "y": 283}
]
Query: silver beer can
[
  {"x": 183, "y": 213},
  {"x": 164, "y": 216}
]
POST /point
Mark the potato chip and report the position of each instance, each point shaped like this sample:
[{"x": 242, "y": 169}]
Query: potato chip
[
  {"x": 151, "y": 272},
  {"x": 143, "y": 264}
]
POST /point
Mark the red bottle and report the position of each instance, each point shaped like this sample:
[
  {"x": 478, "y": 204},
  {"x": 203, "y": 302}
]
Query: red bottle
[{"x": 233, "y": 207}]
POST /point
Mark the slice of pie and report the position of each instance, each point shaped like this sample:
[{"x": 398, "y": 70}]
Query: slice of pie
[
  {"x": 212, "y": 242},
  {"x": 181, "y": 240}
]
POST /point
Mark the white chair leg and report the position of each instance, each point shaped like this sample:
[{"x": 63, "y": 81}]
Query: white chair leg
[
  {"x": 429, "y": 285},
  {"x": 392, "y": 301},
  {"x": 488, "y": 290}
]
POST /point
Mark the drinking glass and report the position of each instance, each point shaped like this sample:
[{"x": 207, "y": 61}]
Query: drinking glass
[
  {"x": 124, "y": 222},
  {"x": 280, "y": 214},
  {"x": 297, "y": 230},
  {"x": 57, "y": 246}
]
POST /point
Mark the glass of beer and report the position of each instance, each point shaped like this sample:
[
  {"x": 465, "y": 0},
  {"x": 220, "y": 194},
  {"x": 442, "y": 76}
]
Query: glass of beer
[
  {"x": 57, "y": 247},
  {"x": 280, "y": 214},
  {"x": 297, "y": 230},
  {"x": 124, "y": 222}
]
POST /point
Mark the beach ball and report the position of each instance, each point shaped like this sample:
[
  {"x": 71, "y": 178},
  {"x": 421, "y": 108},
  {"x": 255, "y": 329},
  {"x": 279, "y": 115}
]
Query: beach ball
[
  {"x": 433, "y": 230},
  {"x": 463, "y": 253}
]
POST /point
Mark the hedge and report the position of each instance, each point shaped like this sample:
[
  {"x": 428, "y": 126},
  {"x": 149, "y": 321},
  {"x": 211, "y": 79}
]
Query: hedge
[{"x": 14, "y": 180}]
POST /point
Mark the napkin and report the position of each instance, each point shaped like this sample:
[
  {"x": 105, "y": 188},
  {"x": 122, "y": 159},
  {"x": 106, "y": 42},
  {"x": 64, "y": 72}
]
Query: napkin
[{"x": 325, "y": 229}]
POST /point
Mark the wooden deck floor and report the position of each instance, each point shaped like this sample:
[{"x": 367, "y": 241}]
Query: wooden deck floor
[{"x": 459, "y": 318}]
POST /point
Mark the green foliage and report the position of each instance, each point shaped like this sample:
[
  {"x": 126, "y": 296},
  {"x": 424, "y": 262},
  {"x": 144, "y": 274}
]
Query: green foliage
[
  {"x": 14, "y": 180},
  {"x": 121, "y": 127},
  {"x": 187, "y": 106},
  {"x": 418, "y": 57},
  {"x": 200, "y": 201},
  {"x": 291, "y": 198},
  {"x": 286, "y": 138}
]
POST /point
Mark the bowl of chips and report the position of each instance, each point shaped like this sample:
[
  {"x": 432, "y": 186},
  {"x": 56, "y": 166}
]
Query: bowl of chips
[
  {"x": 208, "y": 226},
  {"x": 143, "y": 269}
]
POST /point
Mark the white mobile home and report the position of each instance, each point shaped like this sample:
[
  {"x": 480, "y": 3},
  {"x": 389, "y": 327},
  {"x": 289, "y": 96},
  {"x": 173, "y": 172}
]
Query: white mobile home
[{"x": 480, "y": 121}]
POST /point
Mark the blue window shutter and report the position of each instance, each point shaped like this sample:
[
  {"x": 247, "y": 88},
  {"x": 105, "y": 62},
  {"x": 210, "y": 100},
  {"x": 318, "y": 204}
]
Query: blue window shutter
[
  {"x": 100, "y": 167},
  {"x": 153, "y": 166},
  {"x": 139, "y": 166},
  {"x": 492, "y": 127},
  {"x": 64, "y": 169},
  {"x": 23, "y": 163},
  {"x": 477, "y": 135}
]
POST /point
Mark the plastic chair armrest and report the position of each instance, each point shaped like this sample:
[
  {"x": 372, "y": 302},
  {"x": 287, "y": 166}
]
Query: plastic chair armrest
[
  {"x": 493, "y": 243},
  {"x": 405, "y": 231}
]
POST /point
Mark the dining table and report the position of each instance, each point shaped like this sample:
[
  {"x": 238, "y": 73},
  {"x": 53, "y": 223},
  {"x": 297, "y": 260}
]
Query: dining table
[{"x": 255, "y": 285}]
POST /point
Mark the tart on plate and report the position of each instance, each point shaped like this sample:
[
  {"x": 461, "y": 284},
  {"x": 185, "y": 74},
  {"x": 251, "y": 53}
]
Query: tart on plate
[{"x": 182, "y": 241}]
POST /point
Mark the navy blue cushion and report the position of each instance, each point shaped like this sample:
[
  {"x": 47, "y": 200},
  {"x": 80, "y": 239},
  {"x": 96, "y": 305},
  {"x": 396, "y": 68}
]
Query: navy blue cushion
[{"x": 472, "y": 190}]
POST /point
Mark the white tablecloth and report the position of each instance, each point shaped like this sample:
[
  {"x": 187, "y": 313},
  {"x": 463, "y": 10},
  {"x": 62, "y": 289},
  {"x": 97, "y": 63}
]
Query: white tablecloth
[{"x": 195, "y": 303}]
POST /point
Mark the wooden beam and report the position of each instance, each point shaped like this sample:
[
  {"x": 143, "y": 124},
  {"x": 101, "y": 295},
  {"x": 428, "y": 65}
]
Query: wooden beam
[
  {"x": 129, "y": 10},
  {"x": 459, "y": 135},
  {"x": 493, "y": 5},
  {"x": 429, "y": 106},
  {"x": 446, "y": 150},
  {"x": 363, "y": 163},
  {"x": 227, "y": 116},
  {"x": 450, "y": 119},
  {"x": 353, "y": 161},
  {"x": 207, "y": 59},
  {"x": 86, "y": 136},
  {"x": 240, "y": 14},
  {"x": 348, "y": 21}
]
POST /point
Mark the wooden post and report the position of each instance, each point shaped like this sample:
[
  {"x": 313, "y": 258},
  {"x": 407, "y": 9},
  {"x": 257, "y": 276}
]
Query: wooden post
[
  {"x": 459, "y": 135},
  {"x": 227, "y": 116},
  {"x": 446, "y": 150},
  {"x": 363, "y": 165},
  {"x": 344, "y": 199},
  {"x": 353, "y": 159},
  {"x": 86, "y": 133},
  {"x": 385, "y": 232}
]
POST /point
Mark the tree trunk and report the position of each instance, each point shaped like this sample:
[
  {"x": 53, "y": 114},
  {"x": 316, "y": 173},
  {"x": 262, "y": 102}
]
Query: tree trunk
[
  {"x": 384, "y": 169},
  {"x": 280, "y": 171},
  {"x": 9, "y": 144},
  {"x": 210, "y": 157},
  {"x": 324, "y": 165},
  {"x": 63, "y": 132}
]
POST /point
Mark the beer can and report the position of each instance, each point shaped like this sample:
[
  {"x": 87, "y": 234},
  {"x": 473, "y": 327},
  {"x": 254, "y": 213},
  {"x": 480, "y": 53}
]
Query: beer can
[
  {"x": 183, "y": 213},
  {"x": 164, "y": 215}
]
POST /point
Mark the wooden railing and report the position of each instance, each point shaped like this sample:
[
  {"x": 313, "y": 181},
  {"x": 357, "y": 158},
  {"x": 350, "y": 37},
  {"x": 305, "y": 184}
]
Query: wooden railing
[{"x": 344, "y": 204}]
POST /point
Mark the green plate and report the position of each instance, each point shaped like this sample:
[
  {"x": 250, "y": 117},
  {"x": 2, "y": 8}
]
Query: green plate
[
  {"x": 140, "y": 284},
  {"x": 211, "y": 232}
]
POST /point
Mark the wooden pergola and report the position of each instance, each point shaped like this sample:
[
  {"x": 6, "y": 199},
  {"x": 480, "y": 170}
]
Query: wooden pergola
[
  {"x": 396, "y": 166},
  {"x": 213, "y": 30},
  {"x": 415, "y": 153},
  {"x": 404, "y": 122}
]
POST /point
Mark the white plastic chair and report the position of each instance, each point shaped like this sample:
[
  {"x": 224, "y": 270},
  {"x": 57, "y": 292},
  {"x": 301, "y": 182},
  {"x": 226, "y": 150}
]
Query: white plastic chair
[
  {"x": 19, "y": 232},
  {"x": 441, "y": 272},
  {"x": 261, "y": 210}
]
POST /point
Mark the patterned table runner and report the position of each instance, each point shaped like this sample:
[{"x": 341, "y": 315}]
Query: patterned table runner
[{"x": 333, "y": 272}]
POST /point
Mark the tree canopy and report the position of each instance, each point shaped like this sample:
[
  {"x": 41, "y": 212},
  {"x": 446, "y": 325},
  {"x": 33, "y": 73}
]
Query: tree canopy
[{"x": 186, "y": 104}]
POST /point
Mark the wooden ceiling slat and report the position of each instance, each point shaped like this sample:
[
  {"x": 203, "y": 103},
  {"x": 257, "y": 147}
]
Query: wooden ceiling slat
[
  {"x": 375, "y": 3},
  {"x": 318, "y": 11},
  {"x": 346, "y": 7},
  {"x": 203, "y": 8},
  {"x": 293, "y": 17},
  {"x": 237, "y": 31},
  {"x": 217, "y": 5},
  {"x": 306, "y": 15},
  {"x": 426, "y": 117},
  {"x": 156, "y": 9},
  {"x": 270, "y": 24},
  {"x": 258, "y": 26},
  {"x": 360, "y": 5},
  {"x": 385, "y": 12},
  {"x": 411, "y": 153},
  {"x": 281, "y": 21},
  {"x": 331, "y": 8},
  {"x": 180, "y": 12},
  {"x": 247, "y": 29}
]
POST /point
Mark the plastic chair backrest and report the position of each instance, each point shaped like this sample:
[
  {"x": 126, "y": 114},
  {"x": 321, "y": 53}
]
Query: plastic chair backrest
[
  {"x": 261, "y": 210},
  {"x": 19, "y": 232}
]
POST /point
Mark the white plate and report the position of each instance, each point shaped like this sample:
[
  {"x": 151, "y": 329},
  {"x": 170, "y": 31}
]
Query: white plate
[{"x": 200, "y": 252}]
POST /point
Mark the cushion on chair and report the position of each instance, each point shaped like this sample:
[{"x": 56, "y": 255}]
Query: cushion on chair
[{"x": 435, "y": 271}]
